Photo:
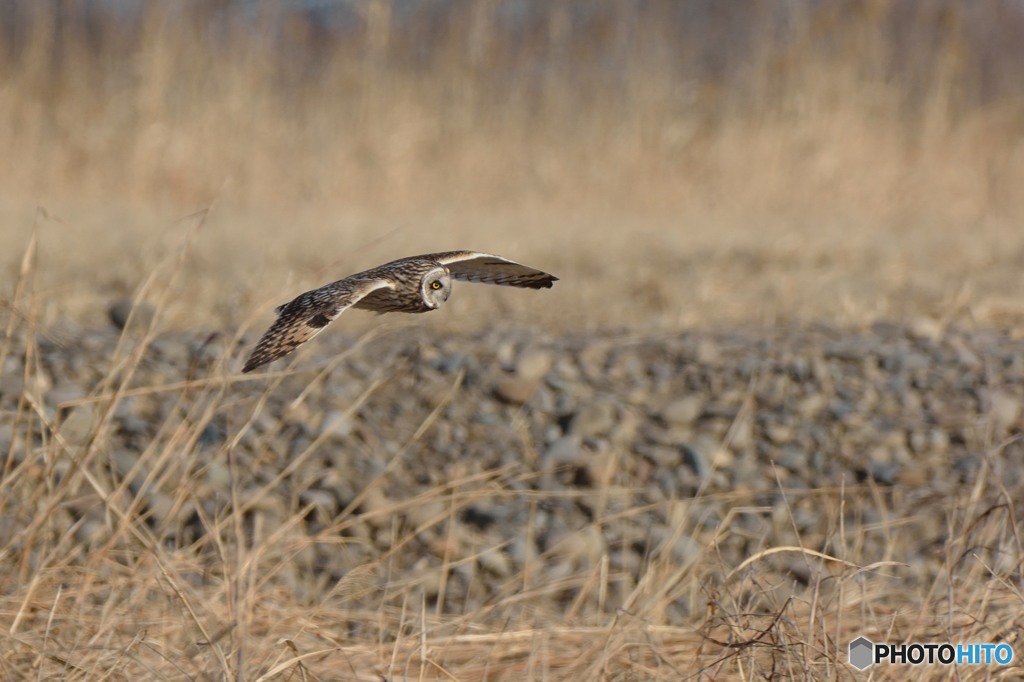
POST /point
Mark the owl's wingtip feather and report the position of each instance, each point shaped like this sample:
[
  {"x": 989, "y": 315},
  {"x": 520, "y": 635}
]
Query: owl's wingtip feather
[{"x": 250, "y": 365}]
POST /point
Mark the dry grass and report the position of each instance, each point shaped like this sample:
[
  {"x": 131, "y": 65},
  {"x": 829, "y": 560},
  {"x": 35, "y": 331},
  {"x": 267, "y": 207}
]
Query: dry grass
[
  {"x": 862, "y": 104},
  {"x": 865, "y": 166},
  {"x": 643, "y": 273},
  {"x": 93, "y": 589},
  {"x": 850, "y": 162}
]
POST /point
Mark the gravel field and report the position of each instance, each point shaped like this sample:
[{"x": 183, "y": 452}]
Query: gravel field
[
  {"x": 773, "y": 404},
  {"x": 713, "y": 488}
]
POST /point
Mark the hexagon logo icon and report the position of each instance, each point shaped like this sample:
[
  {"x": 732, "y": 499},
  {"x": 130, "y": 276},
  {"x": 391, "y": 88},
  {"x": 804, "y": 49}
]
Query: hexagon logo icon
[{"x": 862, "y": 653}]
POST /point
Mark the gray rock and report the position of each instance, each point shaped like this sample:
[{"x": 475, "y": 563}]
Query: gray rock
[
  {"x": 451, "y": 363},
  {"x": 134, "y": 425},
  {"x": 939, "y": 440},
  {"x": 779, "y": 434},
  {"x": 664, "y": 456},
  {"x": 80, "y": 423},
  {"x": 918, "y": 441},
  {"x": 11, "y": 385},
  {"x": 578, "y": 548},
  {"x": 679, "y": 547},
  {"x": 124, "y": 310},
  {"x": 793, "y": 458},
  {"x": 172, "y": 350},
  {"x": 697, "y": 455},
  {"x": 516, "y": 390},
  {"x": 6, "y": 436},
  {"x": 506, "y": 355},
  {"x": 595, "y": 419},
  {"x": 683, "y": 411},
  {"x": 886, "y": 473},
  {"x": 926, "y": 329},
  {"x": 325, "y": 500},
  {"x": 533, "y": 363},
  {"x": 1004, "y": 410},
  {"x": 336, "y": 424},
  {"x": 592, "y": 359},
  {"x": 811, "y": 406},
  {"x": 707, "y": 352},
  {"x": 565, "y": 450},
  {"x": 496, "y": 561}
]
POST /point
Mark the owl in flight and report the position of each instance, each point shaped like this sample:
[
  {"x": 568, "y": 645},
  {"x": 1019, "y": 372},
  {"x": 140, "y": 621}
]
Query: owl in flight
[{"x": 417, "y": 284}]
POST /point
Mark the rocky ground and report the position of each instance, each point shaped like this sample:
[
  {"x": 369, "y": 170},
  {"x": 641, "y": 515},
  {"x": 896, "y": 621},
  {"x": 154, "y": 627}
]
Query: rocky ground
[{"x": 510, "y": 476}]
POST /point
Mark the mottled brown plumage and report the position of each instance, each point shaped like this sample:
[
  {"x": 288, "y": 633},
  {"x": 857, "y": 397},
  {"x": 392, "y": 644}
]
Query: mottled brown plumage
[{"x": 409, "y": 285}]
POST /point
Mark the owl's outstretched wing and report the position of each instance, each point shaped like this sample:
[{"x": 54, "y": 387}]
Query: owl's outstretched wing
[
  {"x": 303, "y": 318},
  {"x": 473, "y": 266}
]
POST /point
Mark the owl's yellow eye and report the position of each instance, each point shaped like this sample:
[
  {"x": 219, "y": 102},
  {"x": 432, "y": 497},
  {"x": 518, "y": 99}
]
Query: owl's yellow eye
[{"x": 436, "y": 284}]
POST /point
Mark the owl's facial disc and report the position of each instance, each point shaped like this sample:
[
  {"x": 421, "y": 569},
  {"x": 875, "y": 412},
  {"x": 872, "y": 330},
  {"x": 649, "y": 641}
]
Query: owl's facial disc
[{"x": 436, "y": 287}]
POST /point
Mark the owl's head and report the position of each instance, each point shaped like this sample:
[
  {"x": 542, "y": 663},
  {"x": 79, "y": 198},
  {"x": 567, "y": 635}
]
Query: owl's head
[{"x": 436, "y": 287}]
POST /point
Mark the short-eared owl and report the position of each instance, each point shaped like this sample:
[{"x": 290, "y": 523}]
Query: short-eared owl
[{"x": 410, "y": 285}]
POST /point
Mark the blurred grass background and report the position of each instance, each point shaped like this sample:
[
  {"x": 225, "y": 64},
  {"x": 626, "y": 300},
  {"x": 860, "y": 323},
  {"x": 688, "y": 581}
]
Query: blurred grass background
[
  {"x": 692, "y": 163},
  {"x": 705, "y": 162}
]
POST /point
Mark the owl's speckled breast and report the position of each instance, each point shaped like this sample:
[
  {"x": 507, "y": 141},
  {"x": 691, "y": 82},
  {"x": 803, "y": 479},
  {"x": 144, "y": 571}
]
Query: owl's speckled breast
[{"x": 391, "y": 301}]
